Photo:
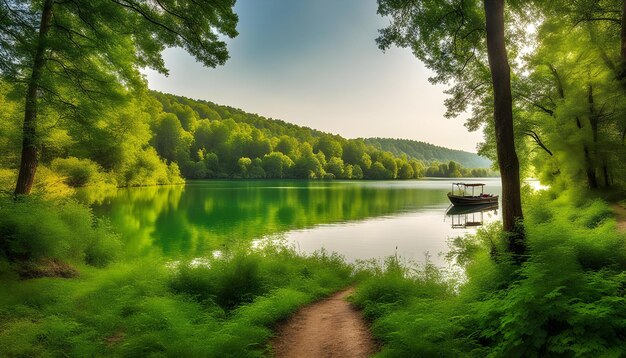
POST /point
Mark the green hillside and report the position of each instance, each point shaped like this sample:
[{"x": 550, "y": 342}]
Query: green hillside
[
  {"x": 156, "y": 138},
  {"x": 428, "y": 152},
  {"x": 208, "y": 140}
]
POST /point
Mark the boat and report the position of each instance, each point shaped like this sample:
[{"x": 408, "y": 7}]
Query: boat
[{"x": 461, "y": 196}]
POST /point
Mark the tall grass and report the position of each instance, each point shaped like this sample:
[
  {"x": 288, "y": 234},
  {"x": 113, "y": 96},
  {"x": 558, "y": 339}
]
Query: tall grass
[
  {"x": 32, "y": 228},
  {"x": 223, "y": 307},
  {"x": 568, "y": 299}
]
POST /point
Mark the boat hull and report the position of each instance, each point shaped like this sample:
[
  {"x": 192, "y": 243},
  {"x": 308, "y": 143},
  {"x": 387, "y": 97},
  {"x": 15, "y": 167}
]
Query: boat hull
[{"x": 472, "y": 200}]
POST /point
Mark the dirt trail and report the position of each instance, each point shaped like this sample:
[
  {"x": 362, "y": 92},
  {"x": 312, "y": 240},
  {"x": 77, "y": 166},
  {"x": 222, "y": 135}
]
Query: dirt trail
[
  {"x": 329, "y": 328},
  {"x": 620, "y": 216}
]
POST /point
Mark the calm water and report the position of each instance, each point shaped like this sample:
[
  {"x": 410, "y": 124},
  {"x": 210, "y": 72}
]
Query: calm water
[{"x": 361, "y": 220}]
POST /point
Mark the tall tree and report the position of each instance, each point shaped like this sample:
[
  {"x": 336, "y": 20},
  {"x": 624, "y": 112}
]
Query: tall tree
[
  {"x": 503, "y": 123},
  {"x": 465, "y": 44},
  {"x": 80, "y": 56}
]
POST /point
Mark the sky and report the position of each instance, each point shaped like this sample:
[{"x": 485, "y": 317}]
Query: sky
[{"x": 315, "y": 63}]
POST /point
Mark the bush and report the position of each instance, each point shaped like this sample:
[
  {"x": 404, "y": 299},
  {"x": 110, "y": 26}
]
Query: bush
[
  {"x": 229, "y": 282},
  {"x": 238, "y": 277},
  {"x": 79, "y": 172},
  {"x": 47, "y": 183},
  {"x": 145, "y": 168},
  {"x": 566, "y": 300},
  {"x": 32, "y": 228}
]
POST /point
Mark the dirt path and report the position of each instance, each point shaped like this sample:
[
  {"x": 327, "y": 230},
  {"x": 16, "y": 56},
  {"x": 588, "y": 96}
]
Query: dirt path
[
  {"x": 329, "y": 328},
  {"x": 620, "y": 216}
]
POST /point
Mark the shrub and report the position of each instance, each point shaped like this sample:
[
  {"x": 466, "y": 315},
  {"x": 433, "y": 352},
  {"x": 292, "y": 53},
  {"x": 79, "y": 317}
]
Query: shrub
[
  {"x": 566, "y": 300},
  {"x": 32, "y": 228},
  {"x": 146, "y": 168},
  {"x": 229, "y": 282},
  {"x": 79, "y": 172}
]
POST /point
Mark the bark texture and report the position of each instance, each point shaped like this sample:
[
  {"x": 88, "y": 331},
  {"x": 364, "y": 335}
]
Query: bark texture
[
  {"x": 512, "y": 216},
  {"x": 29, "y": 160}
]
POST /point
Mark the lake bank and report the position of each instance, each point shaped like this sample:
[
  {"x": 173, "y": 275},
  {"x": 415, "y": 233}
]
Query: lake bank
[{"x": 229, "y": 304}]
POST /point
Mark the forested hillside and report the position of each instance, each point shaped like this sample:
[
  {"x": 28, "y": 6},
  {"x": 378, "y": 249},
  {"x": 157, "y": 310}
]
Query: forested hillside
[
  {"x": 151, "y": 138},
  {"x": 427, "y": 152},
  {"x": 213, "y": 141}
]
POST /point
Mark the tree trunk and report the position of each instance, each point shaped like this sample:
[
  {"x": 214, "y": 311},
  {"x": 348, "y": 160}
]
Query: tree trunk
[
  {"x": 503, "y": 118},
  {"x": 29, "y": 161},
  {"x": 590, "y": 155},
  {"x": 622, "y": 73},
  {"x": 607, "y": 177}
]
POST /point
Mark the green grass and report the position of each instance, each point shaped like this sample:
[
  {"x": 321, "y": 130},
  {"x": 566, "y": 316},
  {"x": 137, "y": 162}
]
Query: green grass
[
  {"x": 148, "y": 308},
  {"x": 568, "y": 299}
]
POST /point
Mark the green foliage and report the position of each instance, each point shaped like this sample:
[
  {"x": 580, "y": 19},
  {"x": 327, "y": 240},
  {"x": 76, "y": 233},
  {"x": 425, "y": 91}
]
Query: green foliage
[
  {"x": 414, "y": 310},
  {"x": 34, "y": 229},
  {"x": 234, "y": 134},
  {"x": 78, "y": 172},
  {"x": 146, "y": 168},
  {"x": 277, "y": 165},
  {"x": 566, "y": 300},
  {"x": 229, "y": 282},
  {"x": 378, "y": 171},
  {"x": 145, "y": 308},
  {"x": 426, "y": 152}
]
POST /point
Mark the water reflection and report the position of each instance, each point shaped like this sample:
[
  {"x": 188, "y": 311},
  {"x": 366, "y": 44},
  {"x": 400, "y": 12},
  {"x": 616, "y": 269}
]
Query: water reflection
[
  {"x": 362, "y": 218},
  {"x": 463, "y": 217}
]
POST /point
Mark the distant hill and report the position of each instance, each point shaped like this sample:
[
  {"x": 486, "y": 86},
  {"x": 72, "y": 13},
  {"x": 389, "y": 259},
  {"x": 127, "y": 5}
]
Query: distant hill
[
  {"x": 422, "y": 151},
  {"x": 427, "y": 152},
  {"x": 207, "y": 140}
]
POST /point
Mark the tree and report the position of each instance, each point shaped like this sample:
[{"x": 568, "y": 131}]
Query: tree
[
  {"x": 286, "y": 145},
  {"x": 244, "y": 165},
  {"x": 80, "y": 56},
  {"x": 503, "y": 123},
  {"x": 335, "y": 166},
  {"x": 170, "y": 139},
  {"x": 353, "y": 150},
  {"x": 277, "y": 165},
  {"x": 378, "y": 171},
  {"x": 329, "y": 146},
  {"x": 406, "y": 171},
  {"x": 593, "y": 34},
  {"x": 449, "y": 38},
  {"x": 357, "y": 172}
]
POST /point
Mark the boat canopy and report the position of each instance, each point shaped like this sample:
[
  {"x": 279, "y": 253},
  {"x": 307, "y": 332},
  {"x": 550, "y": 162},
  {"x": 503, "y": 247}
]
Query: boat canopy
[
  {"x": 463, "y": 187},
  {"x": 469, "y": 184}
]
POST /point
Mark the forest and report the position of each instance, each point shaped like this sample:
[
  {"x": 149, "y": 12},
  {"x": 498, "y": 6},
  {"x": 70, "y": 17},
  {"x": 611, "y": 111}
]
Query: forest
[
  {"x": 157, "y": 139},
  {"x": 427, "y": 152},
  {"x": 91, "y": 265}
]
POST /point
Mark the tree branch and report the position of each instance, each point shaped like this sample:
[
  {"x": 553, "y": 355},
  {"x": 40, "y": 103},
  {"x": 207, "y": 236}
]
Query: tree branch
[{"x": 537, "y": 140}]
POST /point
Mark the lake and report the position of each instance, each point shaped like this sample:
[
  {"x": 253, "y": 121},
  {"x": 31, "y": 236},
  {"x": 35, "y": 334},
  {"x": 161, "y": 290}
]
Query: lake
[{"x": 358, "y": 219}]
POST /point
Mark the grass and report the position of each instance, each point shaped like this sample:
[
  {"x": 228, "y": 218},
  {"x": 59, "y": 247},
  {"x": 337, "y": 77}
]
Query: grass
[
  {"x": 568, "y": 299},
  {"x": 224, "y": 307}
]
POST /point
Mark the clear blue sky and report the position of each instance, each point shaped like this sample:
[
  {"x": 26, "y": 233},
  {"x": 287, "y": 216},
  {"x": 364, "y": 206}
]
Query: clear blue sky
[{"x": 315, "y": 63}]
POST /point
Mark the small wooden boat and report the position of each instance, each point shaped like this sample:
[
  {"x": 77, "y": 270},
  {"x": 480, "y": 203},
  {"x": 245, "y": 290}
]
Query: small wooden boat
[{"x": 462, "y": 196}]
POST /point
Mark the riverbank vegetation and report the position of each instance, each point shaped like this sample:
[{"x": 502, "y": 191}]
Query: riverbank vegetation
[
  {"x": 566, "y": 299},
  {"x": 213, "y": 307}
]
